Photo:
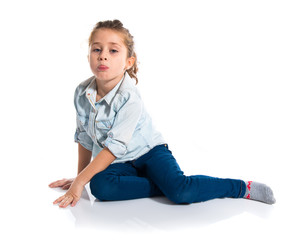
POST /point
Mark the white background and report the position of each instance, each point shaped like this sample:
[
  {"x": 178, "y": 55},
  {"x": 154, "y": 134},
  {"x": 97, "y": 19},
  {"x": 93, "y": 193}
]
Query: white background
[{"x": 223, "y": 81}]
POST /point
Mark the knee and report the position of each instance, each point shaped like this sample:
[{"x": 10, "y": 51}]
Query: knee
[
  {"x": 180, "y": 197},
  {"x": 103, "y": 187},
  {"x": 179, "y": 192}
]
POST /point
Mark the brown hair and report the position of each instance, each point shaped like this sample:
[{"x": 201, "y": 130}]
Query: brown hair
[{"x": 116, "y": 25}]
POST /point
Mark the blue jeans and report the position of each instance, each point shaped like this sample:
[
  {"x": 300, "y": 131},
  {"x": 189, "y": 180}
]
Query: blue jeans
[{"x": 157, "y": 173}]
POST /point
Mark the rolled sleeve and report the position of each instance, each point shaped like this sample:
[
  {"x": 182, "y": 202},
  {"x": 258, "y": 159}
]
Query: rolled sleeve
[
  {"x": 82, "y": 137},
  {"x": 80, "y": 103},
  {"x": 116, "y": 148},
  {"x": 124, "y": 125}
]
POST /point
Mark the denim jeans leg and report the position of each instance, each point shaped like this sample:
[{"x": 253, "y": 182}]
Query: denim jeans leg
[
  {"x": 122, "y": 181},
  {"x": 161, "y": 167}
]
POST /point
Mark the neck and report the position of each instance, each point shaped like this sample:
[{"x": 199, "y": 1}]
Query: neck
[{"x": 104, "y": 87}]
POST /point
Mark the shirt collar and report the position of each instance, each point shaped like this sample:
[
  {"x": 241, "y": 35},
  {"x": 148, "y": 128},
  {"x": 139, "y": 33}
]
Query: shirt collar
[
  {"x": 90, "y": 86},
  {"x": 109, "y": 96},
  {"x": 90, "y": 91}
]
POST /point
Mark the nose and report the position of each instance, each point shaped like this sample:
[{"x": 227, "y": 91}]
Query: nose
[{"x": 103, "y": 56}]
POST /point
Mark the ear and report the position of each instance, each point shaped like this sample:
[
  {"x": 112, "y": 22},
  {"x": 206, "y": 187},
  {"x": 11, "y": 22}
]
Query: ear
[{"x": 129, "y": 62}]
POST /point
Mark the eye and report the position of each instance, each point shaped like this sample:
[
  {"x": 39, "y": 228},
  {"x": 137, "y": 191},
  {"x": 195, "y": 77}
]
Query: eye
[
  {"x": 96, "y": 50},
  {"x": 113, "y": 51}
]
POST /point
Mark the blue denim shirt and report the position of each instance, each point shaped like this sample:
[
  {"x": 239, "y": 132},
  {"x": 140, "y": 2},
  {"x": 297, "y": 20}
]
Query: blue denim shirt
[{"x": 118, "y": 121}]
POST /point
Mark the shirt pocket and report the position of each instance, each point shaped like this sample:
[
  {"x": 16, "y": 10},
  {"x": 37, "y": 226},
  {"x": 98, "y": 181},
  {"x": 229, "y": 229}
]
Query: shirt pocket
[{"x": 102, "y": 128}]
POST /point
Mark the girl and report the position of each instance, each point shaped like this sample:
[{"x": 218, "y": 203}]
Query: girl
[{"x": 130, "y": 158}]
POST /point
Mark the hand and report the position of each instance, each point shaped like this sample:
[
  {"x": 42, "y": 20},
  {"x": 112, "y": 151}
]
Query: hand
[
  {"x": 64, "y": 183},
  {"x": 72, "y": 196}
]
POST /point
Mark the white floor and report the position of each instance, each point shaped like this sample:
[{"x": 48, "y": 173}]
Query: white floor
[
  {"x": 223, "y": 81},
  {"x": 27, "y": 210}
]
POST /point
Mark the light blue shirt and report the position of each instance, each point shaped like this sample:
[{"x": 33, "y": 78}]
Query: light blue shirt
[{"x": 118, "y": 121}]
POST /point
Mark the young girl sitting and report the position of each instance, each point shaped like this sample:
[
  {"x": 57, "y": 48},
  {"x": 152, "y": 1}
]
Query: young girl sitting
[{"x": 130, "y": 158}]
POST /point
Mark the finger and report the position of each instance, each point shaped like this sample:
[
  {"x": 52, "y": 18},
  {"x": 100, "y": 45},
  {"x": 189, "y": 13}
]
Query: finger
[
  {"x": 55, "y": 184},
  {"x": 58, "y": 183},
  {"x": 59, "y": 199},
  {"x": 65, "y": 202},
  {"x": 74, "y": 202},
  {"x": 52, "y": 184}
]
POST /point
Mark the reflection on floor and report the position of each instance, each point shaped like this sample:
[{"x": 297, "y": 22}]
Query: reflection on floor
[{"x": 159, "y": 213}]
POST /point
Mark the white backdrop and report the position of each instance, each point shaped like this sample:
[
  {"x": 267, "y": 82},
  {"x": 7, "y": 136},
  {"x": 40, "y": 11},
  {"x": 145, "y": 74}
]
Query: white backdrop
[{"x": 223, "y": 81}]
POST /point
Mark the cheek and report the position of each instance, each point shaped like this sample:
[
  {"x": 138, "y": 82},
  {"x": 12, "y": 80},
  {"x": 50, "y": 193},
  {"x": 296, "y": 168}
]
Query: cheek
[
  {"x": 120, "y": 64},
  {"x": 91, "y": 63},
  {"x": 92, "y": 60}
]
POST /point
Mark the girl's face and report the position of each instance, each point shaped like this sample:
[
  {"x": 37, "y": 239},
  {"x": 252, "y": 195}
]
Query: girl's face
[{"x": 108, "y": 56}]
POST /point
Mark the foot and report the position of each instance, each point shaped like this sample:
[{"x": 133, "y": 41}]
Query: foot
[{"x": 259, "y": 192}]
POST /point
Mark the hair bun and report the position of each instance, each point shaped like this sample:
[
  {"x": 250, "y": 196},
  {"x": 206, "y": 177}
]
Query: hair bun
[{"x": 117, "y": 23}]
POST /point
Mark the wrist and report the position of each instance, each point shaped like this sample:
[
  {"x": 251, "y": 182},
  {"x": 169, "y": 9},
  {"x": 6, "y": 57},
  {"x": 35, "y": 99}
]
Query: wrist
[{"x": 80, "y": 181}]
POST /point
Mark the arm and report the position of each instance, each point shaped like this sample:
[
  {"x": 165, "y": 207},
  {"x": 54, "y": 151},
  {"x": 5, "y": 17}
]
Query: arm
[
  {"x": 84, "y": 158},
  {"x": 99, "y": 163}
]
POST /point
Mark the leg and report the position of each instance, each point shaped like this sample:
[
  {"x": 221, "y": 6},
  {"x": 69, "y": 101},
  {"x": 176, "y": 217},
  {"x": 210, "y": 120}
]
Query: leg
[
  {"x": 160, "y": 166},
  {"x": 122, "y": 181}
]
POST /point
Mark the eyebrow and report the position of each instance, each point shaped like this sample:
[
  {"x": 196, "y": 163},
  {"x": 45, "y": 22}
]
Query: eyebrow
[{"x": 111, "y": 43}]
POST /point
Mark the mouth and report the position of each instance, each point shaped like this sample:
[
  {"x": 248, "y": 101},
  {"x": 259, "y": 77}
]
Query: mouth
[{"x": 102, "y": 67}]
